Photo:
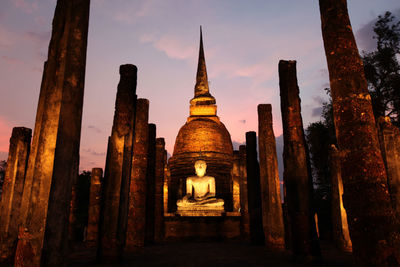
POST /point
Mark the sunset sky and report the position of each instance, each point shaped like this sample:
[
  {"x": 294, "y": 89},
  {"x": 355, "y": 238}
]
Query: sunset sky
[{"x": 243, "y": 42}]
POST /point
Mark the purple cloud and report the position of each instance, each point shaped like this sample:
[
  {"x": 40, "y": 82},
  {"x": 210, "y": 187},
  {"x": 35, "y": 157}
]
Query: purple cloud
[
  {"x": 364, "y": 35},
  {"x": 11, "y": 60},
  {"x": 93, "y": 152},
  {"x": 316, "y": 112},
  {"x": 26, "y": 5},
  {"x": 95, "y": 129}
]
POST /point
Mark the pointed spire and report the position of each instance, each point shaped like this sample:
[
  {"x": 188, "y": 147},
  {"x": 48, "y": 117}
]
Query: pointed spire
[{"x": 201, "y": 87}]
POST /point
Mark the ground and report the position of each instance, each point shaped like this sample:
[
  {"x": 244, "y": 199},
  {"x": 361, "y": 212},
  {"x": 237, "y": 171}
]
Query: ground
[{"x": 209, "y": 254}]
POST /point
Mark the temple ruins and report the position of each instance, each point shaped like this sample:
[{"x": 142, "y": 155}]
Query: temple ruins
[{"x": 207, "y": 190}]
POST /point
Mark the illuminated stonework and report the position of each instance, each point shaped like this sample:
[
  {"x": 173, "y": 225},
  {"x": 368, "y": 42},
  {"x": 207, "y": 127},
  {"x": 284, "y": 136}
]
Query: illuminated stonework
[{"x": 205, "y": 136}]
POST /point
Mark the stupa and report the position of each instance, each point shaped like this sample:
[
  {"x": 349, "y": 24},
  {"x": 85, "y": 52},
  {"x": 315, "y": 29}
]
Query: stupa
[{"x": 204, "y": 137}]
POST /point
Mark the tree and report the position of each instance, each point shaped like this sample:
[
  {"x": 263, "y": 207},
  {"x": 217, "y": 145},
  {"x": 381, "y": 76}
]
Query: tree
[
  {"x": 382, "y": 68},
  {"x": 320, "y": 136}
]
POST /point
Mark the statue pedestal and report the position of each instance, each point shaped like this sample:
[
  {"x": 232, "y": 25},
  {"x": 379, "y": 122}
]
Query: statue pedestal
[
  {"x": 202, "y": 228},
  {"x": 201, "y": 211}
]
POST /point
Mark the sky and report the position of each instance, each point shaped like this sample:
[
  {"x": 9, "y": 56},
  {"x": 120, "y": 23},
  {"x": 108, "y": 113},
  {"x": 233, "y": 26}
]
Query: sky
[{"x": 243, "y": 42}]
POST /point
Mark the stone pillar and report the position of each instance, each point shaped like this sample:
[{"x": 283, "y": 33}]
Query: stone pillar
[
  {"x": 374, "y": 228},
  {"x": 54, "y": 157},
  {"x": 135, "y": 234},
  {"x": 72, "y": 230},
  {"x": 389, "y": 136},
  {"x": 274, "y": 230},
  {"x": 286, "y": 221},
  {"x": 253, "y": 190},
  {"x": 167, "y": 178},
  {"x": 297, "y": 176},
  {"x": 118, "y": 168},
  {"x": 13, "y": 187},
  {"x": 92, "y": 234},
  {"x": 244, "y": 204},
  {"x": 3, "y": 166},
  {"x": 341, "y": 234},
  {"x": 236, "y": 181},
  {"x": 161, "y": 155},
  {"x": 151, "y": 185}
]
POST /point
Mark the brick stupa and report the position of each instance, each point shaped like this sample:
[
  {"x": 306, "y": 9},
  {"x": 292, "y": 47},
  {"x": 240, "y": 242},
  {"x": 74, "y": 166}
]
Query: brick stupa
[{"x": 203, "y": 136}]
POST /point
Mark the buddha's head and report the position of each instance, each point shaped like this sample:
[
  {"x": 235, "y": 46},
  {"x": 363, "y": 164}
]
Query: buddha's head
[{"x": 200, "y": 167}]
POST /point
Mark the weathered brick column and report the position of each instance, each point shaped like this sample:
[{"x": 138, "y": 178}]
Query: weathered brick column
[
  {"x": 161, "y": 156},
  {"x": 374, "y": 227},
  {"x": 151, "y": 185},
  {"x": 167, "y": 178},
  {"x": 72, "y": 233},
  {"x": 135, "y": 234},
  {"x": 274, "y": 230},
  {"x": 54, "y": 153},
  {"x": 286, "y": 221},
  {"x": 235, "y": 173},
  {"x": 13, "y": 187},
  {"x": 297, "y": 176},
  {"x": 114, "y": 200},
  {"x": 341, "y": 234},
  {"x": 92, "y": 235},
  {"x": 244, "y": 204},
  {"x": 389, "y": 136},
  {"x": 254, "y": 190}
]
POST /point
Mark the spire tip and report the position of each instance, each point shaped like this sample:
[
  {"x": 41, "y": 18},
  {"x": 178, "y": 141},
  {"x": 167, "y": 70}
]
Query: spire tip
[{"x": 201, "y": 87}]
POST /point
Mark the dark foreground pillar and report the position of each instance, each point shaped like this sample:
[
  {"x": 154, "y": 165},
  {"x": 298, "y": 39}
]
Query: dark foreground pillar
[
  {"x": 151, "y": 185},
  {"x": 390, "y": 146},
  {"x": 161, "y": 156},
  {"x": 244, "y": 204},
  {"x": 253, "y": 190},
  {"x": 72, "y": 227},
  {"x": 269, "y": 177},
  {"x": 297, "y": 176},
  {"x": 374, "y": 228},
  {"x": 118, "y": 168},
  {"x": 167, "y": 178},
  {"x": 13, "y": 187},
  {"x": 135, "y": 234},
  {"x": 341, "y": 234},
  {"x": 54, "y": 159},
  {"x": 92, "y": 236},
  {"x": 235, "y": 173}
]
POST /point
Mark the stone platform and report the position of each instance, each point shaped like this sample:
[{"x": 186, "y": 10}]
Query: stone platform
[
  {"x": 201, "y": 211},
  {"x": 204, "y": 228}
]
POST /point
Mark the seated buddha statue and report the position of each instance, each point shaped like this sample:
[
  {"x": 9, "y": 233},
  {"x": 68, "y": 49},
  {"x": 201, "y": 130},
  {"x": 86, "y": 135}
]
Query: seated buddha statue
[{"x": 200, "y": 190}]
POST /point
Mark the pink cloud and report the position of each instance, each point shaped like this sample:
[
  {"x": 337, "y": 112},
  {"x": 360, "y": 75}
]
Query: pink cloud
[
  {"x": 145, "y": 9},
  {"x": 11, "y": 60},
  {"x": 124, "y": 17},
  {"x": 41, "y": 21},
  {"x": 260, "y": 72},
  {"x": 37, "y": 69},
  {"x": 134, "y": 11},
  {"x": 87, "y": 162},
  {"x": 92, "y": 152},
  {"x": 38, "y": 38},
  {"x": 7, "y": 38},
  {"x": 173, "y": 47},
  {"x": 26, "y": 5}
]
